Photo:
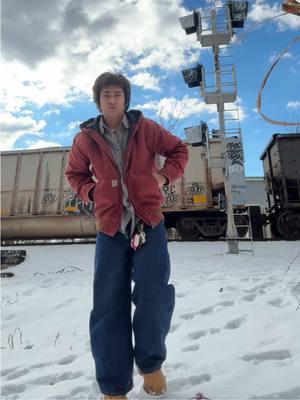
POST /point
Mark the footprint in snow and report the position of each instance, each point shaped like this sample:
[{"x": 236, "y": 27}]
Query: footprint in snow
[
  {"x": 179, "y": 384},
  {"x": 261, "y": 289},
  {"x": 235, "y": 323},
  {"x": 170, "y": 367},
  {"x": 293, "y": 393},
  {"x": 268, "y": 341},
  {"x": 230, "y": 288},
  {"x": 188, "y": 316},
  {"x": 66, "y": 360},
  {"x": 79, "y": 390},
  {"x": 181, "y": 294},
  {"x": 249, "y": 297},
  {"x": 212, "y": 331},
  {"x": 174, "y": 327},
  {"x": 193, "y": 347},
  {"x": 28, "y": 292},
  {"x": 222, "y": 304},
  {"x": 40, "y": 365},
  {"x": 226, "y": 303},
  {"x": 277, "y": 302},
  {"x": 5, "y": 372},
  {"x": 13, "y": 389},
  {"x": 53, "y": 379},
  {"x": 203, "y": 311},
  {"x": 274, "y": 355},
  {"x": 197, "y": 335},
  {"x": 207, "y": 310},
  {"x": 17, "y": 373},
  {"x": 9, "y": 317},
  {"x": 64, "y": 304}
]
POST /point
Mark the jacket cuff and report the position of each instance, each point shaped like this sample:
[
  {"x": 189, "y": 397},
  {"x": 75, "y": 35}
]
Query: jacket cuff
[
  {"x": 165, "y": 176},
  {"x": 170, "y": 177}
]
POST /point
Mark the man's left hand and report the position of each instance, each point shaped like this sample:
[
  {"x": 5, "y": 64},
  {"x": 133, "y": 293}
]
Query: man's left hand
[{"x": 161, "y": 179}]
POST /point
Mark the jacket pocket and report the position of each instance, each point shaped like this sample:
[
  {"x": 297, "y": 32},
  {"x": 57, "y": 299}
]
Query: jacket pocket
[
  {"x": 144, "y": 191},
  {"x": 107, "y": 197}
]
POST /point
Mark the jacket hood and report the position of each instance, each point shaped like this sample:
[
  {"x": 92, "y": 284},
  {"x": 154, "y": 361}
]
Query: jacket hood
[{"x": 133, "y": 116}]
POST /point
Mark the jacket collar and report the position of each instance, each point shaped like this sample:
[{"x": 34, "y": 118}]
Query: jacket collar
[
  {"x": 133, "y": 117},
  {"x": 103, "y": 126}
]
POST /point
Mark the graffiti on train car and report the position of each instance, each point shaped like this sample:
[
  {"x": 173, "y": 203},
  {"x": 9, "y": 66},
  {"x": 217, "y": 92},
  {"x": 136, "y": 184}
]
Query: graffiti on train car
[
  {"x": 170, "y": 196},
  {"x": 48, "y": 199},
  {"x": 235, "y": 153},
  {"x": 68, "y": 193},
  {"x": 194, "y": 190},
  {"x": 75, "y": 206}
]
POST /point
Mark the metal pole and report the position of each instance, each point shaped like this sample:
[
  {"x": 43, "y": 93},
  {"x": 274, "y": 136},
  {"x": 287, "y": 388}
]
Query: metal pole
[{"x": 231, "y": 229}]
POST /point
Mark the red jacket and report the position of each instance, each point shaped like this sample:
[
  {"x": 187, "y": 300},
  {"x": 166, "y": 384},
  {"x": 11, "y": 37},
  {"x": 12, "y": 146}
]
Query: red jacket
[{"x": 90, "y": 155}]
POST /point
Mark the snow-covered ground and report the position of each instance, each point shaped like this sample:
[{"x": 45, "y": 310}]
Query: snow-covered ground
[{"x": 235, "y": 332}]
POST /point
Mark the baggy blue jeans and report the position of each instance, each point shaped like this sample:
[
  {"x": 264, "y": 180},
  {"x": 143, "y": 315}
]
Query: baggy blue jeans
[{"x": 111, "y": 325}]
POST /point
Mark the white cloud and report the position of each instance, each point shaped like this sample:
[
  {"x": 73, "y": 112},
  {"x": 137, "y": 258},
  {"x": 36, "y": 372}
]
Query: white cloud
[
  {"x": 14, "y": 128},
  {"x": 93, "y": 38},
  {"x": 184, "y": 108},
  {"x": 55, "y": 111},
  {"x": 262, "y": 10},
  {"x": 285, "y": 56},
  {"x": 39, "y": 144},
  {"x": 74, "y": 125},
  {"x": 293, "y": 104},
  {"x": 146, "y": 81},
  {"x": 213, "y": 121},
  {"x": 25, "y": 86},
  {"x": 26, "y": 112},
  {"x": 168, "y": 107}
]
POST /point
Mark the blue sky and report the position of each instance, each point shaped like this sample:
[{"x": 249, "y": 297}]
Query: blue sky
[{"x": 53, "y": 51}]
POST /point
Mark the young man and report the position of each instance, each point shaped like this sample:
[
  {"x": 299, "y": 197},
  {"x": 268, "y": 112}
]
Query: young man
[{"x": 112, "y": 162}]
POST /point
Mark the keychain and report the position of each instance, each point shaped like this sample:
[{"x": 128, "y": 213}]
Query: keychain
[{"x": 138, "y": 238}]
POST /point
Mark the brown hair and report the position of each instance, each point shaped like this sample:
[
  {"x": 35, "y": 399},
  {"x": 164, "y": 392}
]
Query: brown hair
[{"x": 111, "y": 78}]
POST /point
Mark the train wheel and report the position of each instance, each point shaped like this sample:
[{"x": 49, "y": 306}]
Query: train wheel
[
  {"x": 186, "y": 228},
  {"x": 288, "y": 226},
  {"x": 274, "y": 230}
]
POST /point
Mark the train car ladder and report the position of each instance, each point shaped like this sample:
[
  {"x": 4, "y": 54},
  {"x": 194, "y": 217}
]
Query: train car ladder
[{"x": 243, "y": 244}]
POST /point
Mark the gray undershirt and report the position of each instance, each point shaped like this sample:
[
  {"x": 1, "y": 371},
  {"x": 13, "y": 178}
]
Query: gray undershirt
[{"x": 117, "y": 140}]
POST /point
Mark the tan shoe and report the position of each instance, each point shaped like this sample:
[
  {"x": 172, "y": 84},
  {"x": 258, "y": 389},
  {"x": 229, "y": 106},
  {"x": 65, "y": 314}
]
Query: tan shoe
[
  {"x": 155, "y": 383},
  {"x": 107, "y": 397}
]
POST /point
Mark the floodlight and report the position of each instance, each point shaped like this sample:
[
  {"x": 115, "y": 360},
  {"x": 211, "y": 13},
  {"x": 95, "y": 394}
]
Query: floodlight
[
  {"x": 215, "y": 133},
  {"x": 190, "y": 23},
  {"x": 193, "y": 76},
  {"x": 238, "y": 13},
  {"x": 196, "y": 135}
]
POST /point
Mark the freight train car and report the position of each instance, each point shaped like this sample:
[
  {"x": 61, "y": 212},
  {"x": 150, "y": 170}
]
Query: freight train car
[
  {"x": 37, "y": 201},
  {"x": 281, "y": 162}
]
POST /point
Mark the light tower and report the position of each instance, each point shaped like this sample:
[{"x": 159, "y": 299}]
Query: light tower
[{"x": 215, "y": 30}]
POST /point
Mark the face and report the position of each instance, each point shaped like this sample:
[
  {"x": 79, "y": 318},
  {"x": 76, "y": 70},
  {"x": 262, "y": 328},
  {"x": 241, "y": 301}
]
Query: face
[{"x": 112, "y": 101}]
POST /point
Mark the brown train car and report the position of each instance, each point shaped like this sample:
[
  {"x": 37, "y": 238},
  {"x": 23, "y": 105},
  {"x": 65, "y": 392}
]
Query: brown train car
[
  {"x": 281, "y": 162},
  {"x": 37, "y": 202}
]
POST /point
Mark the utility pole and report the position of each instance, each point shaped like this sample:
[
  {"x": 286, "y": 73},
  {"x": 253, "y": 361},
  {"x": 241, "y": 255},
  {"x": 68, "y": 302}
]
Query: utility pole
[{"x": 213, "y": 33}]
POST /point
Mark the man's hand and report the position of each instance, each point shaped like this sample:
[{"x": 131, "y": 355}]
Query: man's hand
[{"x": 161, "y": 179}]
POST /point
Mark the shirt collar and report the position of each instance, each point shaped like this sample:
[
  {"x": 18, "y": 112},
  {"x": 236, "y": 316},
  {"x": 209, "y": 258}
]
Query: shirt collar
[{"x": 103, "y": 126}]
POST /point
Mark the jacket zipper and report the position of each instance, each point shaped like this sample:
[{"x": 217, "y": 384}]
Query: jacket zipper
[
  {"x": 107, "y": 151},
  {"x": 127, "y": 156}
]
